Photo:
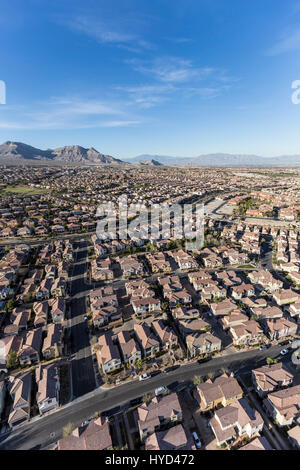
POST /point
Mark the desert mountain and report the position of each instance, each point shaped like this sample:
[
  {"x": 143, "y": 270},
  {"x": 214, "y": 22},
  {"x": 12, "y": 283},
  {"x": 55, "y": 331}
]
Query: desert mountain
[
  {"x": 223, "y": 160},
  {"x": 17, "y": 152}
]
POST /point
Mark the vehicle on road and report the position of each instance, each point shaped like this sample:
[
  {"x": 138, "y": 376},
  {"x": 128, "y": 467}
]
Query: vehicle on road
[
  {"x": 263, "y": 347},
  {"x": 85, "y": 317},
  {"x": 200, "y": 361},
  {"x": 197, "y": 440},
  {"x": 169, "y": 369},
  {"x": 161, "y": 390},
  {"x": 136, "y": 401},
  {"x": 284, "y": 352},
  {"x": 144, "y": 376}
]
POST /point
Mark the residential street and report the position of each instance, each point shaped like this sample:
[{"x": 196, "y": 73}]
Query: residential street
[
  {"x": 42, "y": 432},
  {"x": 83, "y": 377}
]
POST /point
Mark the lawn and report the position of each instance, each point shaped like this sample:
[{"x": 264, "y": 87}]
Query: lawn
[{"x": 23, "y": 190}]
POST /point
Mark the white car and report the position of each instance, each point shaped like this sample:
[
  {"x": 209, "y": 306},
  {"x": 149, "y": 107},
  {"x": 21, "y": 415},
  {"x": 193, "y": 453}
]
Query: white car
[
  {"x": 160, "y": 390},
  {"x": 144, "y": 376},
  {"x": 197, "y": 440},
  {"x": 284, "y": 352}
]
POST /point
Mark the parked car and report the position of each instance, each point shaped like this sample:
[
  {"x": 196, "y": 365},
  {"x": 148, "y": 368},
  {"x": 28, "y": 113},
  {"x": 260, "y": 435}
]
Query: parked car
[
  {"x": 205, "y": 359},
  {"x": 144, "y": 376},
  {"x": 284, "y": 352},
  {"x": 197, "y": 440},
  {"x": 263, "y": 347},
  {"x": 160, "y": 390}
]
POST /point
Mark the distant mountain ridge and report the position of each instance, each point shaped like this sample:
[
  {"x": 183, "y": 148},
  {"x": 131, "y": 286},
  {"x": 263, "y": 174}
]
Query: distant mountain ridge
[
  {"x": 19, "y": 152},
  {"x": 149, "y": 163},
  {"x": 223, "y": 160}
]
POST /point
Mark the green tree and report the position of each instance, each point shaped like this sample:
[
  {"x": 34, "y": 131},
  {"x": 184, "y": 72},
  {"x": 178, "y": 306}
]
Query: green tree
[
  {"x": 197, "y": 380},
  {"x": 138, "y": 364},
  {"x": 12, "y": 361},
  {"x": 146, "y": 398},
  {"x": 10, "y": 305},
  {"x": 68, "y": 429},
  {"x": 270, "y": 361}
]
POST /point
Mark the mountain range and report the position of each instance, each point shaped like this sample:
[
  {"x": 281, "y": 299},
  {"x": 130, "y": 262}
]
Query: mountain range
[
  {"x": 19, "y": 153},
  {"x": 223, "y": 160}
]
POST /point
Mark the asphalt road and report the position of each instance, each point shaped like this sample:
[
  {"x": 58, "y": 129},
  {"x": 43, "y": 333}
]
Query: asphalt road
[
  {"x": 42, "y": 432},
  {"x": 82, "y": 371}
]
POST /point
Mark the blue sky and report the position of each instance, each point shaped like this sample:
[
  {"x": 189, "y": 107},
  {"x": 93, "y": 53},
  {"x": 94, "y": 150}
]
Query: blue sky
[{"x": 169, "y": 77}]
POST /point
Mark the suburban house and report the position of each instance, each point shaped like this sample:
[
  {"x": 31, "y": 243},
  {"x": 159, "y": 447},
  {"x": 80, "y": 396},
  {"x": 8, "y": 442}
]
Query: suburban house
[
  {"x": 248, "y": 333},
  {"x": 237, "y": 419},
  {"x": 130, "y": 350},
  {"x": 144, "y": 306},
  {"x": 47, "y": 379},
  {"x": 161, "y": 410},
  {"x": 146, "y": 339},
  {"x": 94, "y": 435},
  {"x": 166, "y": 336},
  {"x": 222, "y": 308},
  {"x": 108, "y": 354},
  {"x": 270, "y": 378},
  {"x": 202, "y": 343},
  {"x": 31, "y": 347},
  {"x": 53, "y": 343},
  {"x": 223, "y": 390},
  {"x": 174, "y": 438},
  {"x": 284, "y": 405},
  {"x": 285, "y": 297},
  {"x": 58, "y": 309},
  {"x": 280, "y": 328},
  {"x": 19, "y": 388}
]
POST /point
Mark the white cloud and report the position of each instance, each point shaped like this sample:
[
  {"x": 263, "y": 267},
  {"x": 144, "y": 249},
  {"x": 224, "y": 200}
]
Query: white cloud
[
  {"x": 171, "y": 69},
  {"x": 108, "y": 32},
  {"x": 67, "y": 113},
  {"x": 290, "y": 42}
]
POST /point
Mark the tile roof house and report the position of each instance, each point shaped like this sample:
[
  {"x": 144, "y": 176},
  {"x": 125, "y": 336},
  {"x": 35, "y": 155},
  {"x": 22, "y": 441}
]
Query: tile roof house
[
  {"x": 53, "y": 343},
  {"x": 92, "y": 436},
  {"x": 108, "y": 355},
  {"x": 237, "y": 419},
  {"x": 285, "y": 297},
  {"x": 159, "y": 411},
  {"x": 280, "y": 328},
  {"x": 175, "y": 438},
  {"x": 19, "y": 388},
  {"x": 235, "y": 318},
  {"x": 284, "y": 405},
  {"x": 165, "y": 334},
  {"x": 202, "y": 343},
  {"x": 130, "y": 349},
  {"x": 146, "y": 339},
  {"x": 223, "y": 390},
  {"x": 47, "y": 379},
  {"x": 41, "y": 313},
  {"x": 222, "y": 308},
  {"x": 247, "y": 334},
  {"x": 144, "y": 306},
  {"x": 31, "y": 347},
  {"x": 269, "y": 378},
  {"x": 58, "y": 309}
]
